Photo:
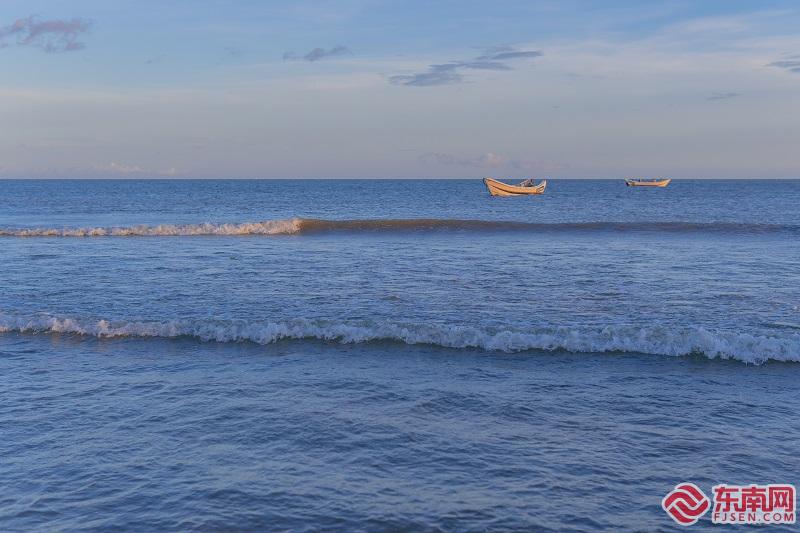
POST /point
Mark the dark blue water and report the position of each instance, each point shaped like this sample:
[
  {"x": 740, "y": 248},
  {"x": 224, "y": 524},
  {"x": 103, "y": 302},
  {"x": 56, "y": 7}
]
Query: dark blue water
[{"x": 371, "y": 355}]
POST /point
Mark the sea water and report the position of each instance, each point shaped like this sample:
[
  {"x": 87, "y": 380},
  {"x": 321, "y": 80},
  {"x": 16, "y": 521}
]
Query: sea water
[{"x": 384, "y": 355}]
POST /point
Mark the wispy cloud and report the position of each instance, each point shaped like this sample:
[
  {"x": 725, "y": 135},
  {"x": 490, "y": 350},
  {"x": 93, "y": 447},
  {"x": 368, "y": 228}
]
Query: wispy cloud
[
  {"x": 488, "y": 160},
  {"x": 435, "y": 75},
  {"x": 502, "y": 53},
  {"x": 452, "y": 72},
  {"x": 122, "y": 169},
  {"x": 318, "y": 53},
  {"x": 792, "y": 65},
  {"x": 52, "y": 36},
  {"x": 233, "y": 51},
  {"x": 722, "y": 96},
  {"x": 155, "y": 59}
]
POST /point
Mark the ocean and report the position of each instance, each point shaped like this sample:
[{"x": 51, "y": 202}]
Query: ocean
[{"x": 376, "y": 355}]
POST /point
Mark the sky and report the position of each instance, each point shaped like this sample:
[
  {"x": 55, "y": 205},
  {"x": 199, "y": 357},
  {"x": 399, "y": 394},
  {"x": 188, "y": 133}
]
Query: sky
[{"x": 399, "y": 89}]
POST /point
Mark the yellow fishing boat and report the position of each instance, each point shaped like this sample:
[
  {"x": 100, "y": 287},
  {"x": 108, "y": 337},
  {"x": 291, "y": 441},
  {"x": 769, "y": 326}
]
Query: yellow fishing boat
[
  {"x": 647, "y": 183},
  {"x": 498, "y": 188}
]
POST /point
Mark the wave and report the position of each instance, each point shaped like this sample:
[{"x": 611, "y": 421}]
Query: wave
[
  {"x": 269, "y": 227},
  {"x": 294, "y": 226},
  {"x": 668, "y": 341}
]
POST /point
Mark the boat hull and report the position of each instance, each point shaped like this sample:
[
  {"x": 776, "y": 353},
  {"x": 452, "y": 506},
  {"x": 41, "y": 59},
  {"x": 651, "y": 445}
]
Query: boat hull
[
  {"x": 498, "y": 188},
  {"x": 649, "y": 183}
]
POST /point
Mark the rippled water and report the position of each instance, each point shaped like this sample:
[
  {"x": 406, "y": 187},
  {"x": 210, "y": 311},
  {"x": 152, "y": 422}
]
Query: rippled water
[{"x": 387, "y": 355}]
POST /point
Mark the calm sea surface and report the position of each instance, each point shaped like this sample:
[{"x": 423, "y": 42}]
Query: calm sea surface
[{"x": 391, "y": 355}]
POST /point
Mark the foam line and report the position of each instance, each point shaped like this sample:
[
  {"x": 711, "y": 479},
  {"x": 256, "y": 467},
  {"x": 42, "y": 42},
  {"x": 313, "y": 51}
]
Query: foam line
[{"x": 657, "y": 340}]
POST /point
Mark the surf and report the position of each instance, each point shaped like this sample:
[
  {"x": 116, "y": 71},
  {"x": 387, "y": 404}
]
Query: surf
[{"x": 657, "y": 340}]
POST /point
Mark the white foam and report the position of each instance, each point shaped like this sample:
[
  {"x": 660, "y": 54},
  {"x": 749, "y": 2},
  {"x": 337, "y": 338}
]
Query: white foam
[
  {"x": 667, "y": 341},
  {"x": 268, "y": 227}
]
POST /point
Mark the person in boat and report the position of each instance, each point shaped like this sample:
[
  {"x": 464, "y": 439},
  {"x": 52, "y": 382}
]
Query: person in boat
[{"x": 527, "y": 183}]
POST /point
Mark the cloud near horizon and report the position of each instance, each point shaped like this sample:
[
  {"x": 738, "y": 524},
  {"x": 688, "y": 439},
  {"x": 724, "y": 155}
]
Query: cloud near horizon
[
  {"x": 722, "y": 96},
  {"x": 487, "y": 160},
  {"x": 52, "y": 36},
  {"x": 318, "y": 53},
  {"x": 122, "y": 169},
  {"x": 451, "y": 72}
]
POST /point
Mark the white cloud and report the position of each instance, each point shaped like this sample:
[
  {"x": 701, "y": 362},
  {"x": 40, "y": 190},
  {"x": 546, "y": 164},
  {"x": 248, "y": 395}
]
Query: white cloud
[{"x": 122, "y": 169}]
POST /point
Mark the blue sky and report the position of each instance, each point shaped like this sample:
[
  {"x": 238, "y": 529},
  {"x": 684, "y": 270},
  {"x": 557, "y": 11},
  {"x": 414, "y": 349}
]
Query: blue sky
[{"x": 391, "y": 89}]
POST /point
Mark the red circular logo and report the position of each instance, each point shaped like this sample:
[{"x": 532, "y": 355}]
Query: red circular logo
[{"x": 686, "y": 504}]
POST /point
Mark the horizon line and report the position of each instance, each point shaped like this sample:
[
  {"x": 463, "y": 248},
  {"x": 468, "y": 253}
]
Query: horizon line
[{"x": 164, "y": 178}]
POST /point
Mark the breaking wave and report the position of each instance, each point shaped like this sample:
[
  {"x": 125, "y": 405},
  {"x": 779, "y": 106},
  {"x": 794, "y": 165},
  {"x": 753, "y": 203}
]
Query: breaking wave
[
  {"x": 294, "y": 226},
  {"x": 669, "y": 341},
  {"x": 269, "y": 227}
]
